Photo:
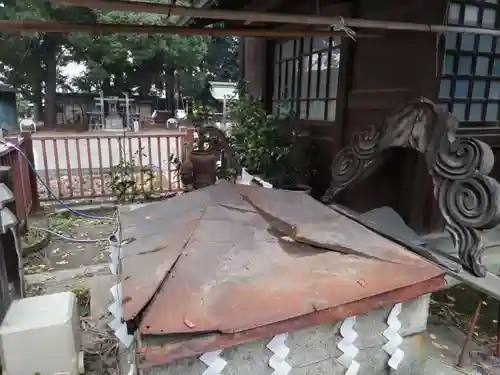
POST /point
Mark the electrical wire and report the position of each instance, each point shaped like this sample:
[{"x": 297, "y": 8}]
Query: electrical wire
[
  {"x": 67, "y": 238},
  {"x": 32, "y": 167}
]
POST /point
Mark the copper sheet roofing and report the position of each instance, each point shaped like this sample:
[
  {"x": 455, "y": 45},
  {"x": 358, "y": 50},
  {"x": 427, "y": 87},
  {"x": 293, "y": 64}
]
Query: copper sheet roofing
[{"x": 231, "y": 258}]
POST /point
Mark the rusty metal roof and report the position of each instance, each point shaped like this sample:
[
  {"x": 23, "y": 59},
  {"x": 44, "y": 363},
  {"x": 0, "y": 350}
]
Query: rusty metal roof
[{"x": 232, "y": 259}]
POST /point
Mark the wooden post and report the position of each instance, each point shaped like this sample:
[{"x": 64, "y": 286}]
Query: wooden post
[
  {"x": 14, "y": 180},
  {"x": 28, "y": 144},
  {"x": 5, "y": 297},
  {"x": 10, "y": 262},
  {"x": 187, "y": 143}
]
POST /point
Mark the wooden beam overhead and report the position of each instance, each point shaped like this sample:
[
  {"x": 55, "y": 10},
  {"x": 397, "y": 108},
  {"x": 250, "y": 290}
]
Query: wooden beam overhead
[
  {"x": 263, "y": 5},
  {"x": 9, "y": 26},
  {"x": 268, "y": 17}
]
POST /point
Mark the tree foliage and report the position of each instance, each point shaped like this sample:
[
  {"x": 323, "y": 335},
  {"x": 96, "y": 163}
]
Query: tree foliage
[
  {"x": 128, "y": 62},
  {"x": 114, "y": 63}
]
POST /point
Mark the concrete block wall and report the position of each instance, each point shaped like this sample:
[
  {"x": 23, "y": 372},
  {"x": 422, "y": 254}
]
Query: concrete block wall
[{"x": 314, "y": 350}]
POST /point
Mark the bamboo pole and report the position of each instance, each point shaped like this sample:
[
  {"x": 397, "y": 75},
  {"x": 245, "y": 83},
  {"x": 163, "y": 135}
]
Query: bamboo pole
[
  {"x": 253, "y": 16},
  {"x": 56, "y": 27}
]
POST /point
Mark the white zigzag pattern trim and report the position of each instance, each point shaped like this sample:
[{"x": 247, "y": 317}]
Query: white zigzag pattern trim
[
  {"x": 114, "y": 255},
  {"x": 347, "y": 347},
  {"x": 214, "y": 362},
  {"x": 278, "y": 360},
  {"x": 117, "y": 324},
  {"x": 394, "y": 338}
]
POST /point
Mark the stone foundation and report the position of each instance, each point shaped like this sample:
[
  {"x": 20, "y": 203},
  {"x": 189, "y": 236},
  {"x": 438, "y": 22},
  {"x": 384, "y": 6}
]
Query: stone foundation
[{"x": 314, "y": 350}]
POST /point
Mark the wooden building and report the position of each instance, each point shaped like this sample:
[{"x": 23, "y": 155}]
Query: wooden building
[
  {"x": 73, "y": 108},
  {"x": 336, "y": 85}
]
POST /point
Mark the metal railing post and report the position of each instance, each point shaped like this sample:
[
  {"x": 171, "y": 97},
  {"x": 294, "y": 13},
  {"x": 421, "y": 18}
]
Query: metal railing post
[{"x": 28, "y": 150}]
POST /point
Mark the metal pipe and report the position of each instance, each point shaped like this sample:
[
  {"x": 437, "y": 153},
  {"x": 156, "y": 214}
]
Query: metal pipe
[
  {"x": 253, "y": 16},
  {"x": 102, "y": 109},
  {"x": 67, "y": 27},
  {"x": 472, "y": 326},
  {"x": 127, "y": 114},
  {"x": 497, "y": 351}
]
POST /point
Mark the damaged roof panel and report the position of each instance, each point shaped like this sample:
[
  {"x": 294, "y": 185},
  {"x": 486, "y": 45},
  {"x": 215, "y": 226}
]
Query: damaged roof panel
[{"x": 246, "y": 257}]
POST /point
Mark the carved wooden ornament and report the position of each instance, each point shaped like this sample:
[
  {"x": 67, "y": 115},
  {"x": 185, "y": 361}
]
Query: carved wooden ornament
[{"x": 467, "y": 197}]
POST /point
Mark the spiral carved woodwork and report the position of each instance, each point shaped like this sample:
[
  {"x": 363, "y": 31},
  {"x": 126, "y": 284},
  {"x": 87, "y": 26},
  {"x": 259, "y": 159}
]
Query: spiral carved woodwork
[
  {"x": 212, "y": 139},
  {"x": 468, "y": 198}
]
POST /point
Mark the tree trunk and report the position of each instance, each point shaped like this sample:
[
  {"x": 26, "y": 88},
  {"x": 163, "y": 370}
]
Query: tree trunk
[
  {"x": 144, "y": 88},
  {"x": 37, "y": 98},
  {"x": 170, "y": 89},
  {"x": 106, "y": 87},
  {"x": 50, "y": 88}
]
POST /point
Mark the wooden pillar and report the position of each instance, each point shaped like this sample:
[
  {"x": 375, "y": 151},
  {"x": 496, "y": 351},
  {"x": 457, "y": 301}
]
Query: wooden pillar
[
  {"x": 386, "y": 73},
  {"x": 28, "y": 150},
  {"x": 255, "y": 66},
  {"x": 10, "y": 263}
]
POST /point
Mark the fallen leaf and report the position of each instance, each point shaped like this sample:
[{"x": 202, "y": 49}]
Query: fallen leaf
[
  {"x": 62, "y": 262},
  {"x": 436, "y": 345},
  {"x": 147, "y": 217},
  {"x": 362, "y": 282},
  {"x": 189, "y": 323},
  {"x": 452, "y": 299}
]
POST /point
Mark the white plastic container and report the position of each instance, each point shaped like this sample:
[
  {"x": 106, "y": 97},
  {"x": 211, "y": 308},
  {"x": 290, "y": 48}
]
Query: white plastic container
[{"x": 41, "y": 335}]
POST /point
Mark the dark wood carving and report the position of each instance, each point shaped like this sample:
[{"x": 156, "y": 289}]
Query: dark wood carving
[
  {"x": 467, "y": 197},
  {"x": 199, "y": 170},
  {"x": 212, "y": 139}
]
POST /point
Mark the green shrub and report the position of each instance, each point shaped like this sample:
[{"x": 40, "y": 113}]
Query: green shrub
[{"x": 270, "y": 146}]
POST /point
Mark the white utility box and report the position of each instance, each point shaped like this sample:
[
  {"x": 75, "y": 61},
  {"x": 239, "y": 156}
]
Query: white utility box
[{"x": 42, "y": 335}]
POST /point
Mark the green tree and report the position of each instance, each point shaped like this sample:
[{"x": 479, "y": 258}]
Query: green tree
[
  {"x": 221, "y": 62},
  {"x": 119, "y": 63},
  {"x": 30, "y": 61},
  {"x": 115, "y": 63}
]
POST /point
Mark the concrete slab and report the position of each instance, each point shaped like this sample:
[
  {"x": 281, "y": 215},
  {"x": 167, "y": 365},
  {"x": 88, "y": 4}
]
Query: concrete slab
[
  {"x": 101, "y": 298},
  {"x": 66, "y": 275},
  {"x": 444, "y": 346},
  {"x": 436, "y": 366}
]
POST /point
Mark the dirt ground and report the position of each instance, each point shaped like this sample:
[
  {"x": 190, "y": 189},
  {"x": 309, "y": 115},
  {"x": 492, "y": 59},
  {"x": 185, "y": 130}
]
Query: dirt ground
[
  {"x": 83, "y": 268},
  {"x": 61, "y": 254},
  {"x": 80, "y": 267}
]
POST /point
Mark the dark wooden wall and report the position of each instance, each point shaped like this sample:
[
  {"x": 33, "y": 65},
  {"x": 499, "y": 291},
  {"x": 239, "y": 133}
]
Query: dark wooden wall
[
  {"x": 383, "y": 74},
  {"x": 254, "y": 62},
  {"x": 376, "y": 75}
]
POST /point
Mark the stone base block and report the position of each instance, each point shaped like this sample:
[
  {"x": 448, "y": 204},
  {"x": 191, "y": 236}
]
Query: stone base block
[{"x": 315, "y": 350}]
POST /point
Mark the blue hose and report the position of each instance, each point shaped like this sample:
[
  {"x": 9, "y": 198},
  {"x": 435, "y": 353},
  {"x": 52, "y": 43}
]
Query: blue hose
[{"x": 32, "y": 167}]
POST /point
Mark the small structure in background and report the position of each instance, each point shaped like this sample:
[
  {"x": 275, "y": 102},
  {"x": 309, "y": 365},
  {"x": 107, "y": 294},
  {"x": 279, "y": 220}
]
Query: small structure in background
[
  {"x": 119, "y": 114},
  {"x": 172, "y": 123},
  {"x": 28, "y": 122},
  {"x": 84, "y": 111},
  {"x": 8, "y": 108},
  {"x": 180, "y": 114},
  {"x": 223, "y": 92}
]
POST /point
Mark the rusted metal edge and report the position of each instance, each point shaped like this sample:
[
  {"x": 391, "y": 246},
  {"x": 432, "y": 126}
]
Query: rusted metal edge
[
  {"x": 17, "y": 140},
  {"x": 161, "y": 355},
  {"x": 104, "y": 134},
  {"x": 446, "y": 261}
]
